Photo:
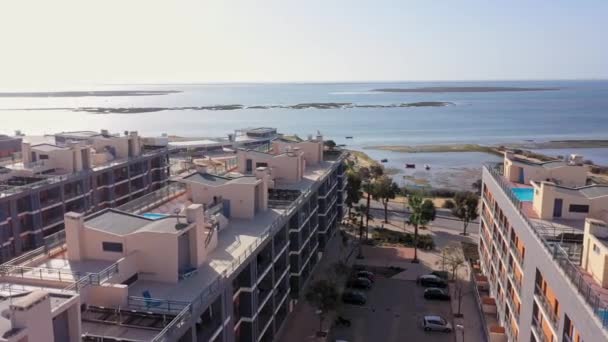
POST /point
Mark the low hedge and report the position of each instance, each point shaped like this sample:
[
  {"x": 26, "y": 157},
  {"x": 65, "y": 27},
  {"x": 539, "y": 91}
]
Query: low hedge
[{"x": 383, "y": 235}]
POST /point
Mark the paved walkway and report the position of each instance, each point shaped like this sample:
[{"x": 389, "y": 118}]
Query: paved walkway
[
  {"x": 303, "y": 323},
  {"x": 470, "y": 320}
]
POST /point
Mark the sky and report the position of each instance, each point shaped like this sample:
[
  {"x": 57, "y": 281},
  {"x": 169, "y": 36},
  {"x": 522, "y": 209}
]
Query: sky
[{"x": 130, "y": 41}]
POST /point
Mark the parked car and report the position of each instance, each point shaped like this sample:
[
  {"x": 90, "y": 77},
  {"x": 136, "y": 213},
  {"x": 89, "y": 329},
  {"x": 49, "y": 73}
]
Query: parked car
[
  {"x": 436, "y": 293},
  {"x": 359, "y": 283},
  {"x": 366, "y": 274},
  {"x": 431, "y": 280},
  {"x": 441, "y": 274},
  {"x": 436, "y": 323},
  {"x": 354, "y": 297}
]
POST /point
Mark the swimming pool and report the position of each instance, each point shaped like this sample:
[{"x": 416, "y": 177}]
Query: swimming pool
[
  {"x": 153, "y": 216},
  {"x": 524, "y": 194}
]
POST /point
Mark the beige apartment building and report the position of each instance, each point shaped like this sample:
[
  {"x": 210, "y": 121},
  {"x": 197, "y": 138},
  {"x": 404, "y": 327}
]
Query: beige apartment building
[
  {"x": 210, "y": 257},
  {"x": 543, "y": 252},
  {"x": 72, "y": 171}
]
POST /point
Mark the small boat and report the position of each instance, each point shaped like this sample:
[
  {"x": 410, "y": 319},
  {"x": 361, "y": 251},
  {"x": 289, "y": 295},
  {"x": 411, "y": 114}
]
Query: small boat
[
  {"x": 383, "y": 160},
  {"x": 410, "y": 166},
  {"x": 427, "y": 167},
  {"x": 349, "y": 137}
]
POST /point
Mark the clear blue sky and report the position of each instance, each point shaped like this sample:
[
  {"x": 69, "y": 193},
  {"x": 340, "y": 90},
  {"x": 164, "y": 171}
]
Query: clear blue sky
[{"x": 313, "y": 40}]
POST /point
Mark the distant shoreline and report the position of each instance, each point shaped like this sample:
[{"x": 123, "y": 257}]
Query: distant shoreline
[
  {"x": 459, "y": 89},
  {"x": 496, "y": 149},
  {"x": 312, "y": 105}
]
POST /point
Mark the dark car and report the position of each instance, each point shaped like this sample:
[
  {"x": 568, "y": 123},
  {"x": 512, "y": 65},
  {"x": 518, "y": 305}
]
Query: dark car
[
  {"x": 431, "y": 280},
  {"x": 366, "y": 274},
  {"x": 436, "y": 293},
  {"x": 441, "y": 274},
  {"x": 359, "y": 283},
  {"x": 354, "y": 297}
]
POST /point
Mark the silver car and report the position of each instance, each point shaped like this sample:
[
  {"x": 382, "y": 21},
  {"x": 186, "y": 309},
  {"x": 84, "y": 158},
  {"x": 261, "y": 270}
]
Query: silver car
[{"x": 436, "y": 323}]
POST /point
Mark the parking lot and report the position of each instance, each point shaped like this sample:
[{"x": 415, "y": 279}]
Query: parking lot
[{"x": 393, "y": 312}]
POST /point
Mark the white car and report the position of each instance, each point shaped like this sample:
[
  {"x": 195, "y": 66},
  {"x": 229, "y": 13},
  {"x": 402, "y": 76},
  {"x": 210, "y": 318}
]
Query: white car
[{"x": 436, "y": 323}]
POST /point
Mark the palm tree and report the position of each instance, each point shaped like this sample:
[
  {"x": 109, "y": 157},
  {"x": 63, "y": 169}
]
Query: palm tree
[{"x": 421, "y": 213}]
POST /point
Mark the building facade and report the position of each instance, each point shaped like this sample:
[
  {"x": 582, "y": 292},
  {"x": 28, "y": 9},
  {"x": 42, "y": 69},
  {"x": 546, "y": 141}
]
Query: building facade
[
  {"x": 76, "y": 171},
  {"x": 541, "y": 272},
  {"x": 208, "y": 258}
]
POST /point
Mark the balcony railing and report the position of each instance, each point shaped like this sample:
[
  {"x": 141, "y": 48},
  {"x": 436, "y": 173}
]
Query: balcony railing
[
  {"x": 561, "y": 257},
  {"x": 516, "y": 253},
  {"x": 547, "y": 308}
]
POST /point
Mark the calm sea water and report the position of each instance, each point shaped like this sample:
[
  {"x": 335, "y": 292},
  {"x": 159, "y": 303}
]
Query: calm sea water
[{"x": 578, "y": 110}]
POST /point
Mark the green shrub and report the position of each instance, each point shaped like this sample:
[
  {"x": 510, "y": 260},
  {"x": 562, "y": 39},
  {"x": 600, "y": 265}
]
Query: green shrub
[{"x": 448, "y": 204}]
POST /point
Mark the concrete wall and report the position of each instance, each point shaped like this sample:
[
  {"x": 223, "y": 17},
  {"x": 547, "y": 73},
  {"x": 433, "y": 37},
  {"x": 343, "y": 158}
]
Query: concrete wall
[
  {"x": 288, "y": 167},
  {"x": 157, "y": 257},
  {"x": 241, "y": 197},
  {"x": 537, "y": 257},
  {"x": 595, "y": 251},
  {"x": 108, "y": 295},
  {"x": 567, "y": 175},
  {"x": 544, "y": 201},
  {"x": 312, "y": 150}
]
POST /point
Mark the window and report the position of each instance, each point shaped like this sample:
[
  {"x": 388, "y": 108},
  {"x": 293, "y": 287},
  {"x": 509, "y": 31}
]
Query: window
[
  {"x": 596, "y": 249},
  {"x": 249, "y": 165},
  {"x": 261, "y": 165},
  {"x": 579, "y": 208},
  {"x": 44, "y": 156},
  {"x": 111, "y": 246}
]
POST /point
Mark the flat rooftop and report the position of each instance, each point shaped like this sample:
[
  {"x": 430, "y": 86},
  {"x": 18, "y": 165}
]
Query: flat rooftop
[
  {"x": 311, "y": 175},
  {"x": 122, "y": 223},
  {"x": 233, "y": 242}
]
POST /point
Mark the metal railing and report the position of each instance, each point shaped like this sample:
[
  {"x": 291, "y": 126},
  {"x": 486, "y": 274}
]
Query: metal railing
[
  {"x": 153, "y": 199},
  {"x": 561, "y": 257},
  {"x": 79, "y": 174},
  {"x": 516, "y": 253},
  {"x": 547, "y": 308},
  {"x": 50, "y": 243}
]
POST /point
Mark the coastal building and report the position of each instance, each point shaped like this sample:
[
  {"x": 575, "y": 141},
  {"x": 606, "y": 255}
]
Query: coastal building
[
  {"x": 543, "y": 243},
  {"x": 9, "y": 146},
  {"x": 72, "y": 171},
  {"x": 207, "y": 258}
]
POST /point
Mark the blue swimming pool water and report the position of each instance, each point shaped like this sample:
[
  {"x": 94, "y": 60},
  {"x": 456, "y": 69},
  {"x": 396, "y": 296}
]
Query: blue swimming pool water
[
  {"x": 153, "y": 216},
  {"x": 524, "y": 194}
]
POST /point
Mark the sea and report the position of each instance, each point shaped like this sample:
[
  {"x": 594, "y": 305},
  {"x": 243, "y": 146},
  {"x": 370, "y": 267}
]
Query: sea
[{"x": 573, "y": 110}]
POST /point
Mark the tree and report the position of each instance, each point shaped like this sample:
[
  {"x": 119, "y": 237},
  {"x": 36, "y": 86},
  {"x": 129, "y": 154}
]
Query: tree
[
  {"x": 360, "y": 212},
  {"x": 421, "y": 213},
  {"x": 453, "y": 258},
  {"x": 477, "y": 186},
  {"x": 465, "y": 208},
  {"x": 384, "y": 190},
  {"x": 353, "y": 190},
  {"x": 323, "y": 295}
]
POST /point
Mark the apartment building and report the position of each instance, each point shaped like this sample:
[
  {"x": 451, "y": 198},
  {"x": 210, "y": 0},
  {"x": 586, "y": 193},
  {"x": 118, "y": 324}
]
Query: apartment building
[
  {"x": 207, "y": 258},
  {"x": 9, "y": 146},
  {"x": 72, "y": 171},
  {"x": 543, "y": 247}
]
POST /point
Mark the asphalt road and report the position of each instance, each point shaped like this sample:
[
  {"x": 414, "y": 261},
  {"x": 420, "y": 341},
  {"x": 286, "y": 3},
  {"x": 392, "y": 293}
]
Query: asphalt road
[
  {"x": 393, "y": 313},
  {"x": 444, "y": 218}
]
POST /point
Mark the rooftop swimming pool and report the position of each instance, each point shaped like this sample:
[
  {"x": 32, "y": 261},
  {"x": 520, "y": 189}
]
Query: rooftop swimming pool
[
  {"x": 524, "y": 194},
  {"x": 153, "y": 216}
]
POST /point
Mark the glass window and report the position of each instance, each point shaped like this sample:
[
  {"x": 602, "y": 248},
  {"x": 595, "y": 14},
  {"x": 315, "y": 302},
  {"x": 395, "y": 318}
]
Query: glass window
[
  {"x": 111, "y": 246},
  {"x": 579, "y": 208}
]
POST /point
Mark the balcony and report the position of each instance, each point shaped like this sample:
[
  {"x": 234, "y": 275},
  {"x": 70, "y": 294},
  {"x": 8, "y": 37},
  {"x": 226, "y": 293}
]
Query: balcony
[
  {"x": 546, "y": 308},
  {"x": 516, "y": 253},
  {"x": 537, "y": 330}
]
